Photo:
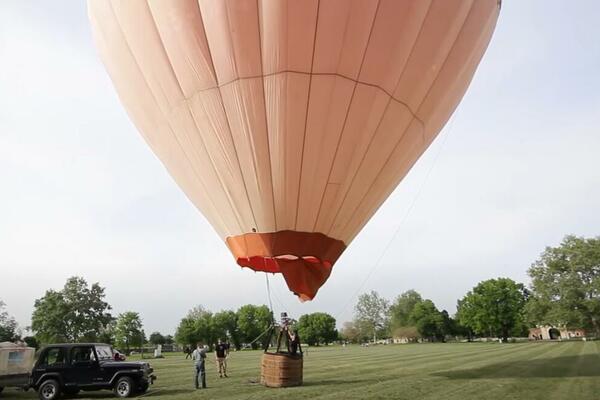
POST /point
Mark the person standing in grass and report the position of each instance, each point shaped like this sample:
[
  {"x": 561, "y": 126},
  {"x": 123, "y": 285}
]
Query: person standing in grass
[
  {"x": 221, "y": 353},
  {"x": 199, "y": 356}
]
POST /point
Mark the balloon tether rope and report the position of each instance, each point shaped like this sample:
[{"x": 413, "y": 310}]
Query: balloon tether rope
[
  {"x": 269, "y": 295},
  {"x": 393, "y": 238}
]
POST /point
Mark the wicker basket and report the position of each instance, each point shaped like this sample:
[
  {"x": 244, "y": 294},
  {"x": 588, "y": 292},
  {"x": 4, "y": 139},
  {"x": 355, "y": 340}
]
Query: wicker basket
[{"x": 281, "y": 370}]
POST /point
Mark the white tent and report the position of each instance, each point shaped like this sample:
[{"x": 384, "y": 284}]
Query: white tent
[{"x": 15, "y": 359}]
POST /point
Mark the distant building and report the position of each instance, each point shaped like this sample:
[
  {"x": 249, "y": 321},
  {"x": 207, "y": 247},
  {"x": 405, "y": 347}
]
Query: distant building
[
  {"x": 407, "y": 334},
  {"x": 555, "y": 333},
  {"x": 404, "y": 340}
]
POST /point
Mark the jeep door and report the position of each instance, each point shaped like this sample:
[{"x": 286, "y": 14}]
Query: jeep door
[
  {"x": 51, "y": 361},
  {"x": 105, "y": 357},
  {"x": 84, "y": 369}
]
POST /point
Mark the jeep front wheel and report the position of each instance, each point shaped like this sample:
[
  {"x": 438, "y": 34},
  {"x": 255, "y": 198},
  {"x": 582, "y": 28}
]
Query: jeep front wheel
[
  {"x": 143, "y": 388},
  {"x": 123, "y": 387},
  {"x": 49, "y": 390}
]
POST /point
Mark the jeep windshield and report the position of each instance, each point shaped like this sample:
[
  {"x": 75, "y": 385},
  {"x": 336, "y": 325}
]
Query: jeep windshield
[{"x": 104, "y": 352}]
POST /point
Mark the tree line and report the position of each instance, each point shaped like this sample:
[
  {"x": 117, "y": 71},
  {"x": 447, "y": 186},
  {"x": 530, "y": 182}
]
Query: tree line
[
  {"x": 564, "y": 292},
  {"x": 238, "y": 327},
  {"x": 79, "y": 313},
  {"x": 493, "y": 308},
  {"x": 249, "y": 327}
]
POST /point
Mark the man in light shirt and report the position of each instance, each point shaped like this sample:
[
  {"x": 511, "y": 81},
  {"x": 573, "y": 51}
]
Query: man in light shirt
[{"x": 199, "y": 356}]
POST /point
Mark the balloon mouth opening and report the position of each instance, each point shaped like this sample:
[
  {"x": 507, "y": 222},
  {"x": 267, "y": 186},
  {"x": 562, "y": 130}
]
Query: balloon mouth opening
[
  {"x": 305, "y": 259},
  {"x": 303, "y": 275}
]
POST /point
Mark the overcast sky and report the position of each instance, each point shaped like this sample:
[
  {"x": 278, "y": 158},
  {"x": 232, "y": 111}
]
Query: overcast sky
[{"x": 515, "y": 169}]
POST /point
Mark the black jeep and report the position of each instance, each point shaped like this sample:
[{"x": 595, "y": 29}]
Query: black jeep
[{"x": 69, "y": 368}]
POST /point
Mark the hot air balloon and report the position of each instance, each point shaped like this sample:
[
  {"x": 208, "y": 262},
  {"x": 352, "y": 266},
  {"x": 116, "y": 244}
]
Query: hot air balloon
[{"x": 287, "y": 123}]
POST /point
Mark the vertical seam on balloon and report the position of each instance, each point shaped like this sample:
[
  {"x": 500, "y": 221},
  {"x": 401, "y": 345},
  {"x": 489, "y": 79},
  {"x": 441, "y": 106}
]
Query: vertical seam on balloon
[
  {"x": 383, "y": 167},
  {"x": 412, "y": 50},
  {"x": 351, "y": 183},
  {"x": 229, "y": 125},
  {"x": 162, "y": 112},
  {"x": 164, "y": 49},
  {"x": 210, "y": 57},
  {"x": 265, "y": 114},
  {"x": 218, "y": 87},
  {"x": 222, "y": 104},
  {"x": 212, "y": 162},
  {"x": 490, "y": 22},
  {"x": 444, "y": 63},
  {"x": 217, "y": 174},
  {"x": 306, "y": 115},
  {"x": 216, "y": 79},
  {"x": 347, "y": 113},
  {"x": 235, "y": 68},
  {"x": 423, "y": 131}
]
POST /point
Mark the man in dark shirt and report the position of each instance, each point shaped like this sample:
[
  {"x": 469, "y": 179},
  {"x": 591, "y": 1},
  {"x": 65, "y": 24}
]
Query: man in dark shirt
[
  {"x": 294, "y": 340},
  {"x": 221, "y": 353}
]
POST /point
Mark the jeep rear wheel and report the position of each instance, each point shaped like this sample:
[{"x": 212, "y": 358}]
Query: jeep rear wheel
[
  {"x": 49, "y": 390},
  {"x": 123, "y": 387}
]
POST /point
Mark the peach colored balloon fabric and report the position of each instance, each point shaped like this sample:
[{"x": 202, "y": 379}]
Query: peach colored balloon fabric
[{"x": 290, "y": 115}]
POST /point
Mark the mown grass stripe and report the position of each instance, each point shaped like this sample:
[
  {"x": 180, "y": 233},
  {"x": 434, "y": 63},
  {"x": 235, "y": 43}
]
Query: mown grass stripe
[{"x": 536, "y": 370}]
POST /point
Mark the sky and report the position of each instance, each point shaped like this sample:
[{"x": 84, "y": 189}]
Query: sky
[{"x": 516, "y": 169}]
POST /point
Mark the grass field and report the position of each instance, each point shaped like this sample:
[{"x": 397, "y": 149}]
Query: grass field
[{"x": 538, "y": 370}]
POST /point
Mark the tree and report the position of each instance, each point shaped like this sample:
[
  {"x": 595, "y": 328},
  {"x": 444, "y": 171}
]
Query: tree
[
  {"x": 197, "y": 326},
  {"x": 75, "y": 313},
  {"x": 351, "y": 333},
  {"x": 8, "y": 325},
  {"x": 253, "y": 321},
  {"x": 169, "y": 339},
  {"x": 226, "y": 327},
  {"x": 402, "y": 308},
  {"x": 201, "y": 325},
  {"x": 565, "y": 282},
  {"x": 129, "y": 331},
  {"x": 413, "y": 317},
  {"x": 107, "y": 334},
  {"x": 494, "y": 307},
  {"x": 47, "y": 319},
  {"x": 317, "y": 328},
  {"x": 31, "y": 341},
  {"x": 204, "y": 324},
  {"x": 451, "y": 326},
  {"x": 428, "y": 320},
  {"x": 156, "y": 338},
  {"x": 186, "y": 332},
  {"x": 371, "y": 314}
]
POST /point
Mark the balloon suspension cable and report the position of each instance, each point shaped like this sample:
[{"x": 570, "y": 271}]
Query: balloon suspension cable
[
  {"x": 397, "y": 231},
  {"x": 269, "y": 295}
]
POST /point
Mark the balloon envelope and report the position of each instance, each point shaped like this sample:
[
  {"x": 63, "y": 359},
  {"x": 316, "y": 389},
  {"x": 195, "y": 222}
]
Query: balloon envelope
[{"x": 289, "y": 122}]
